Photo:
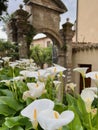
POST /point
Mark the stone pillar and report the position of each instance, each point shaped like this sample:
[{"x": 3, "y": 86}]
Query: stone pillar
[
  {"x": 68, "y": 35},
  {"x": 61, "y": 57},
  {"x": 12, "y": 30},
  {"x": 23, "y": 50},
  {"x": 21, "y": 17}
]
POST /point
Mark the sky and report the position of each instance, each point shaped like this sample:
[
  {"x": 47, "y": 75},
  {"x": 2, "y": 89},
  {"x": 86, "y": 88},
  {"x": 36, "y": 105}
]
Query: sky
[{"x": 13, "y": 5}]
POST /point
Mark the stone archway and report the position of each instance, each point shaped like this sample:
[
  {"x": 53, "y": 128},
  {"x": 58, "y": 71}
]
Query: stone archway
[
  {"x": 51, "y": 34},
  {"x": 44, "y": 16}
]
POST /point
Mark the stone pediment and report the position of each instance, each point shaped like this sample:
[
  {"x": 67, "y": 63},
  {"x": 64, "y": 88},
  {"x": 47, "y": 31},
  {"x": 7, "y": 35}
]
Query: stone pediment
[{"x": 56, "y": 5}]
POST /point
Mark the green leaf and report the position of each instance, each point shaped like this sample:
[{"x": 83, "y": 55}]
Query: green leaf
[
  {"x": 70, "y": 99},
  {"x": 60, "y": 107},
  {"x": 95, "y": 121},
  {"x": 66, "y": 128},
  {"x": 5, "y": 92},
  {"x": 12, "y": 121},
  {"x": 5, "y": 110},
  {"x": 17, "y": 128},
  {"x": 4, "y": 128},
  {"x": 81, "y": 105},
  {"x": 76, "y": 124},
  {"x": 11, "y": 102}
]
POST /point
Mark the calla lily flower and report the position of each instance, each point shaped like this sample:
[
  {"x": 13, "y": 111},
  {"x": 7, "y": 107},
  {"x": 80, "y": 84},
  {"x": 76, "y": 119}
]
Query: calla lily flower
[
  {"x": 6, "y": 59},
  {"x": 35, "y": 90},
  {"x": 70, "y": 86},
  {"x": 81, "y": 70},
  {"x": 52, "y": 120},
  {"x": 18, "y": 78},
  {"x": 13, "y": 64},
  {"x": 42, "y": 74},
  {"x": 94, "y": 89},
  {"x": 56, "y": 69},
  {"x": 32, "y": 111},
  {"x": 93, "y": 75},
  {"x": 29, "y": 74},
  {"x": 56, "y": 83},
  {"x": 88, "y": 96},
  {"x": 1, "y": 61}
]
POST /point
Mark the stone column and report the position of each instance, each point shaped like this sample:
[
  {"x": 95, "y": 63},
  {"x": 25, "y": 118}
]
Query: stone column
[
  {"x": 22, "y": 44},
  {"x": 68, "y": 35}
]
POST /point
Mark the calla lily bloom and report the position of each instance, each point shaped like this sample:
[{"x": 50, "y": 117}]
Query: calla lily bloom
[
  {"x": 94, "y": 89},
  {"x": 13, "y": 64},
  {"x": 56, "y": 69},
  {"x": 93, "y": 75},
  {"x": 32, "y": 111},
  {"x": 70, "y": 86},
  {"x": 29, "y": 74},
  {"x": 88, "y": 96},
  {"x": 43, "y": 74},
  {"x": 56, "y": 83},
  {"x": 18, "y": 78},
  {"x": 35, "y": 90},
  {"x": 52, "y": 120},
  {"x": 81, "y": 70},
  {"x": 6, "y": 59}
]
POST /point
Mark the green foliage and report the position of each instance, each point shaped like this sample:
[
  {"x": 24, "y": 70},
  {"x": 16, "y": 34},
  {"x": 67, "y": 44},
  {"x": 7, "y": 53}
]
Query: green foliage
[
  {"x": 95, "y": 103},
  {"x": 41, "y": 55},
  {"x": 3, "y": 6},
  {"x": 30, "y": 34},
  {"x": 11, "y": 104},
  {"x": 8, "y": 49},
  {"x": 7, "y": 73},
  {"x": 83, "y": 120}
]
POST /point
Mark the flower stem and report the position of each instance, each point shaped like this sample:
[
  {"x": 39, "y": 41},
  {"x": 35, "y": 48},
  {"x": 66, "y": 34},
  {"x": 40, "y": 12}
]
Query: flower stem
[
  {"x": 83, "y": 82},
  {"x": 90, "y": 124}
]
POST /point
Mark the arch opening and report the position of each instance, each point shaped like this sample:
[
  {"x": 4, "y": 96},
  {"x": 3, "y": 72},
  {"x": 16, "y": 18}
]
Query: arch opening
[{"x": 47, "y": 43}]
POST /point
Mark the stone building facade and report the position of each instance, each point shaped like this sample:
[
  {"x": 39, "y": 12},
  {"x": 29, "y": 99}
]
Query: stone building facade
[{"x": 84, "y": 55}]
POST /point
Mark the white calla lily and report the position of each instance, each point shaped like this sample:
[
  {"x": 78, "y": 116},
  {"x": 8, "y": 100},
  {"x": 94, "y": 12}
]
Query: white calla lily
[
  {"x": 56, "y": 69},
  {"x": 6, "y": 59},
  {"x": 52, "y": 120},
  {"x": 35, "y": 90},
  {"x": 29, "y": 74},
  {"x": 94, "y": 89},
  {"x": 18, "y": 78},
  {"x": 13, "y": 64},
  {"x": 88, "y": 96},
  {"x": 93, "y": 75},
  {"x": 32, "y": 110},
  {"x": 57, "y": 83},
  {"x": 81, "y": 70},
  {"x": 43, "y": 74},
  {"x": 70, "y": 86}
]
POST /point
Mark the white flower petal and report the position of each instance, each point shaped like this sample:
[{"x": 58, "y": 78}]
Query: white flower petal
[
  {"x": 30, "y": 74},
  {"x": 36, "y": 89},
  {"x": 48, "y": 121},
  {"x": 87, "y": 94},
  {"x": 92, "y": 75},
  {"x": 39, "y": 105},
  {"x": 81, "y": 70}
]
